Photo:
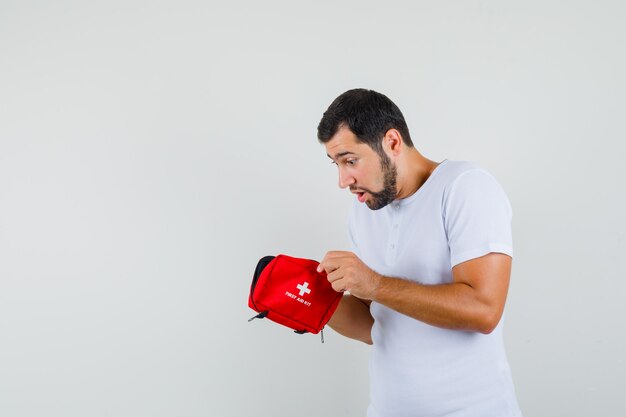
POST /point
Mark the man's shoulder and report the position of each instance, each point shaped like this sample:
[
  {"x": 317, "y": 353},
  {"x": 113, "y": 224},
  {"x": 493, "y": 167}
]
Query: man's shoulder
[
  {"x": 453, "y": 171},
  {"x": 470, "y": 182}
]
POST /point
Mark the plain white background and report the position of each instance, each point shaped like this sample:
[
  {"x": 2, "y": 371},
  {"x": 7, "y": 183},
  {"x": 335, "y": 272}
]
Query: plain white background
[{"x": 152, "y": 151}]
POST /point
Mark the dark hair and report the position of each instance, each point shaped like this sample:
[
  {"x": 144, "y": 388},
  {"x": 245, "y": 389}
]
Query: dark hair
[{"x": 368, "y": 114}]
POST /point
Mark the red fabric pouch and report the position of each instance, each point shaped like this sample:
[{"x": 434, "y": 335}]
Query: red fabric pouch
[{"x": 291, "y": 292}]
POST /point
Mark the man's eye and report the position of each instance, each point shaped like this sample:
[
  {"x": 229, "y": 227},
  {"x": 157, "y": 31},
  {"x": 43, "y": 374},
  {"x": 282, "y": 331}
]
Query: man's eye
[{"x": 351, "y": 161}]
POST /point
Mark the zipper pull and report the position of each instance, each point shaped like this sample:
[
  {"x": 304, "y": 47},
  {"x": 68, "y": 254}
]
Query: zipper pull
[
  {"x": 322, "y": 333},
  {"x": 261, "y": 315}
]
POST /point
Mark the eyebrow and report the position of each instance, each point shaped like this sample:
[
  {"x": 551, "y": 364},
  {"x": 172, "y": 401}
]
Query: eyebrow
[{"x": 340, "y": 154}]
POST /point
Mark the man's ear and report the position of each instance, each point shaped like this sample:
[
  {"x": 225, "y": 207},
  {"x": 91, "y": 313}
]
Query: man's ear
[{"x": 392, "y": 142}]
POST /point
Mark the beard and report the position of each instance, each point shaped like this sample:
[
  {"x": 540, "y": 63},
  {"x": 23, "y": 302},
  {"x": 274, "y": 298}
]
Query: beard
[{"x": 382, "y": 198}]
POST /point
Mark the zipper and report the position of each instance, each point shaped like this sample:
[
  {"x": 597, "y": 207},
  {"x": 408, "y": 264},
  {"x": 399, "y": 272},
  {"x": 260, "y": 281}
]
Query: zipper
[{"x": 261, "y": 315}]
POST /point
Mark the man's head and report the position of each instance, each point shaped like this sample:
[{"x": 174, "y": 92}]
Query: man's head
[
  {"x": 361, "y": 130},
  {"x": 368, "y": 114}
]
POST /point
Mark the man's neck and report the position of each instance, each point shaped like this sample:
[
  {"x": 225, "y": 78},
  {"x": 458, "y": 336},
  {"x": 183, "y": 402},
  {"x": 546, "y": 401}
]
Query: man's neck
[{"x": 416, "y": 169}]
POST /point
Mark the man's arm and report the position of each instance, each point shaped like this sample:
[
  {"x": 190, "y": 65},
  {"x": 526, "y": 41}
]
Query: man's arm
[
  {"x": 474, "y": 301},
  {"x": 353, "y": 319}
]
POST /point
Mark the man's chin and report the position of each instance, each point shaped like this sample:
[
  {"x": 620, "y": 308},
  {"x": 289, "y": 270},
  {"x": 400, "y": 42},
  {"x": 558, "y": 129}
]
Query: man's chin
[
  {"x": 374, "y": 201},
  {"x": 375, "y": 204}
]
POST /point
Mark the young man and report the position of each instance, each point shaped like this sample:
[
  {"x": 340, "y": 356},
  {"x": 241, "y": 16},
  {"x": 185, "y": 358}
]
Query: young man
[{"x": 429, "y": 269}]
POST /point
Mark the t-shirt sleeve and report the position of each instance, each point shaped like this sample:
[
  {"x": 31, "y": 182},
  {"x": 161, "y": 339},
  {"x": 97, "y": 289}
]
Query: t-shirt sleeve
[{"x": 477, "y": 217}]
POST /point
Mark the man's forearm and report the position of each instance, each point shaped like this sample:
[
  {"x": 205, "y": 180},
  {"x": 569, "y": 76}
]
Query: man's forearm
[
  {"x": 353, "y": 319},
  {"x": 452, "y": 306},
  {"x": 474, "y": 301}
]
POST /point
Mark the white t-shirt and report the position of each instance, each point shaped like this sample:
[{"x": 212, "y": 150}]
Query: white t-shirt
[{"x": 459, "y": 213}]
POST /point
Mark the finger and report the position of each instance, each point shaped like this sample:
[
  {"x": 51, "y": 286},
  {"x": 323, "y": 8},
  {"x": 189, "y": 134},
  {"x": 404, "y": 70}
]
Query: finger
[
  {"x": 334, "y": 275},
  {"x": 338, "y": 285},
  {"x": 325, "y": 267},
  {"x": 328, "y": 265},
  {"x": 333, "y": 260},
  {"x": 320, "y": 266},
  {"x": 338, "y": 254}
]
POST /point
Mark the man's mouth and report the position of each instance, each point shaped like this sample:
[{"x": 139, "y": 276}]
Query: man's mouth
[{"x": 360, "y": 195}]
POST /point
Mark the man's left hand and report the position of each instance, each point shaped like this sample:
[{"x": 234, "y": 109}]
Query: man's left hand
[{"x": 346, "y": 272}]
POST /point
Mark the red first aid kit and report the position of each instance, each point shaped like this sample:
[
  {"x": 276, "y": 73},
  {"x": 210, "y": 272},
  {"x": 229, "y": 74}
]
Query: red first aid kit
[{"x": 291, "y": 292}]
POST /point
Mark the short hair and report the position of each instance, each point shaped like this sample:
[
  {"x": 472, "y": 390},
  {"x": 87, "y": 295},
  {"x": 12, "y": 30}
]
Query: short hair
[{"x": 368, "y": 114}]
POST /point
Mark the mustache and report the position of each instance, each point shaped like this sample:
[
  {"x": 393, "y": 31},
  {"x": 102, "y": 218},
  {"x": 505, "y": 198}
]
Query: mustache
[{"x": 360, "y": 190}]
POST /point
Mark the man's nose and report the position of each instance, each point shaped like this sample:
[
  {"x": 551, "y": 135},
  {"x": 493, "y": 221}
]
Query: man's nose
[{"x": 345, "y": 180}]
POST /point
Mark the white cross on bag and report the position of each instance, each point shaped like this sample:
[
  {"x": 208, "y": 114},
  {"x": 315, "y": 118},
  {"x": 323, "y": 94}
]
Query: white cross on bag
[{"x": 304, "y": 288}]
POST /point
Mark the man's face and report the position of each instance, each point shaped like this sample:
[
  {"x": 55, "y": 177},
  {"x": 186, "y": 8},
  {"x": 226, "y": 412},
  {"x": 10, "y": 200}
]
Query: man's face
[{"x": 370, "y": 176}]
